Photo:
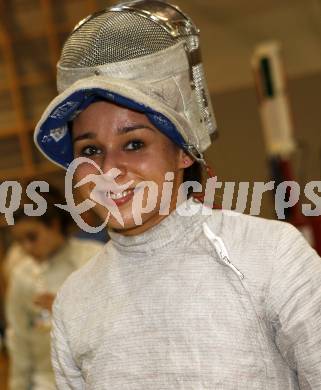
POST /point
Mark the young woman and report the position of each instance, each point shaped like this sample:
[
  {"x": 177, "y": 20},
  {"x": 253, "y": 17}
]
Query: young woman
[
  {"x": 183, "y": 297},
  {"x": 52, "y": 257}
]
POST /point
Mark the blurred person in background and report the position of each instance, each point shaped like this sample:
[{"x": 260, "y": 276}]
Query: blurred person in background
[
  {"x": 14, "y": 256},
  {"x": 32, "y": 289}
]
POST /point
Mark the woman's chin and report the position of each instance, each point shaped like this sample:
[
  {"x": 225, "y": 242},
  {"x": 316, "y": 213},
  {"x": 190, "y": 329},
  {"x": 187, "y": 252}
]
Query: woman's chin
[
  {"x": 120, "y": 220},
  {"x": 128, "y": 221},
  {"x": 128, "y": 226}
]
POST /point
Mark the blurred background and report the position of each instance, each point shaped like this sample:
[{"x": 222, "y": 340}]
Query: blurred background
[{"x": 33, "y": 31}]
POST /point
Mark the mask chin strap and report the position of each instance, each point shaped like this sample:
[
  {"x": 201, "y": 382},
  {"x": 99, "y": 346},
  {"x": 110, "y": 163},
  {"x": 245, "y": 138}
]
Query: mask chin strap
[
  {"x": 209, "y": 170},
  {"x": 199, "y": 157},
  {"x": 195, "y": 153}
]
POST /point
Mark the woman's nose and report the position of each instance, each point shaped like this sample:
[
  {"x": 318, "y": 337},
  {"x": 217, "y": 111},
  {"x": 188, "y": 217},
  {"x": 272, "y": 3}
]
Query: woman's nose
[{"x": 114, "y": 160}]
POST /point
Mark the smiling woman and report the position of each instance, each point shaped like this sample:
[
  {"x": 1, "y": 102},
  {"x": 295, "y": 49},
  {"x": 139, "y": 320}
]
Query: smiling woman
[
  {"x": 183, "y": 299},
  {"x": 116, "y": 137}
]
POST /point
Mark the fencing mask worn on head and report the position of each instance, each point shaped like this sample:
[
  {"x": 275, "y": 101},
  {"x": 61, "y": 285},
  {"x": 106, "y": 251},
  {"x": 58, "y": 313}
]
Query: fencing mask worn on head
[{"x": 143, "y": 55}]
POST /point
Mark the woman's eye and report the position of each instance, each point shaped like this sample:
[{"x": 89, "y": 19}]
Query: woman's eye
[
  {"x": 134, "y": 145},
  {"x": 90, "y": 151}
]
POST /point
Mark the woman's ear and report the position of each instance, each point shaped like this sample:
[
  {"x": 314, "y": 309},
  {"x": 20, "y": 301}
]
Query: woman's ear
[{"x": 185, "y": 160}]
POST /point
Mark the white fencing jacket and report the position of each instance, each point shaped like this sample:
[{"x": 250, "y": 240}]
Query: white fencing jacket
[
  {"x": 28, "y": 339},
  {"x": 223, "y": 301}
]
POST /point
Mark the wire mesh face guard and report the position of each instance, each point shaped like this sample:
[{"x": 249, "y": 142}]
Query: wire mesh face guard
[{"x": 146, "y": 56}]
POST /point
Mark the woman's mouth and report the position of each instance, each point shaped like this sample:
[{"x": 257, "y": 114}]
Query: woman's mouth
[
  {"x": 122, "y": 197},
  {"x": 110, "y": 199}
]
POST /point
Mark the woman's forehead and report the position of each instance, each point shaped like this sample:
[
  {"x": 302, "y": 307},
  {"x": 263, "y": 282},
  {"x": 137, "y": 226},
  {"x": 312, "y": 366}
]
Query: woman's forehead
[
  {"x": 107, "y": 111},
  {"x": 105, "y": 115}
]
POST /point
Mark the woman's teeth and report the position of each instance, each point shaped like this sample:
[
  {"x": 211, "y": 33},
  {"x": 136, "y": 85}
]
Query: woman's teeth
[{"x": 119, "y": 195}]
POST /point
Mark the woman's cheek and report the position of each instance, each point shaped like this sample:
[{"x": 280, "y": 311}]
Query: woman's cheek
[
  {"x": 86, "y": 169},
  {"x": 150, "y": 156}
]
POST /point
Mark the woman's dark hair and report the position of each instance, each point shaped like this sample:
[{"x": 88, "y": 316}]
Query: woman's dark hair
[
  {"x": 52, "y": 214},
  {"x": 193, "y": 173}
]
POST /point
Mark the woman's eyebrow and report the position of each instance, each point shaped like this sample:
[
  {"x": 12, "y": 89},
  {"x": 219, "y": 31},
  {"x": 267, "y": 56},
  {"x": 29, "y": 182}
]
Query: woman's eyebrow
[
  {"x": 87, "y": 135},
  {"x": 121, "y": 130},
  {"x": 127, "y": 129}
]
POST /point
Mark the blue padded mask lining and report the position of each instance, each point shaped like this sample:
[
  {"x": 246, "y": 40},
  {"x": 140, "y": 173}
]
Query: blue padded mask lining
[{"x": 54, "y": 137}]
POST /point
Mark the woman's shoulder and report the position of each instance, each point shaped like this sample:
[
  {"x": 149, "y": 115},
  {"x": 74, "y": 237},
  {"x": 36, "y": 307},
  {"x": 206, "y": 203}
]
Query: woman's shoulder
[
  {"x": 240, "y": 227},
  {"x": 250, "y": 228},
  {"x": 255, "y": 240}
]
